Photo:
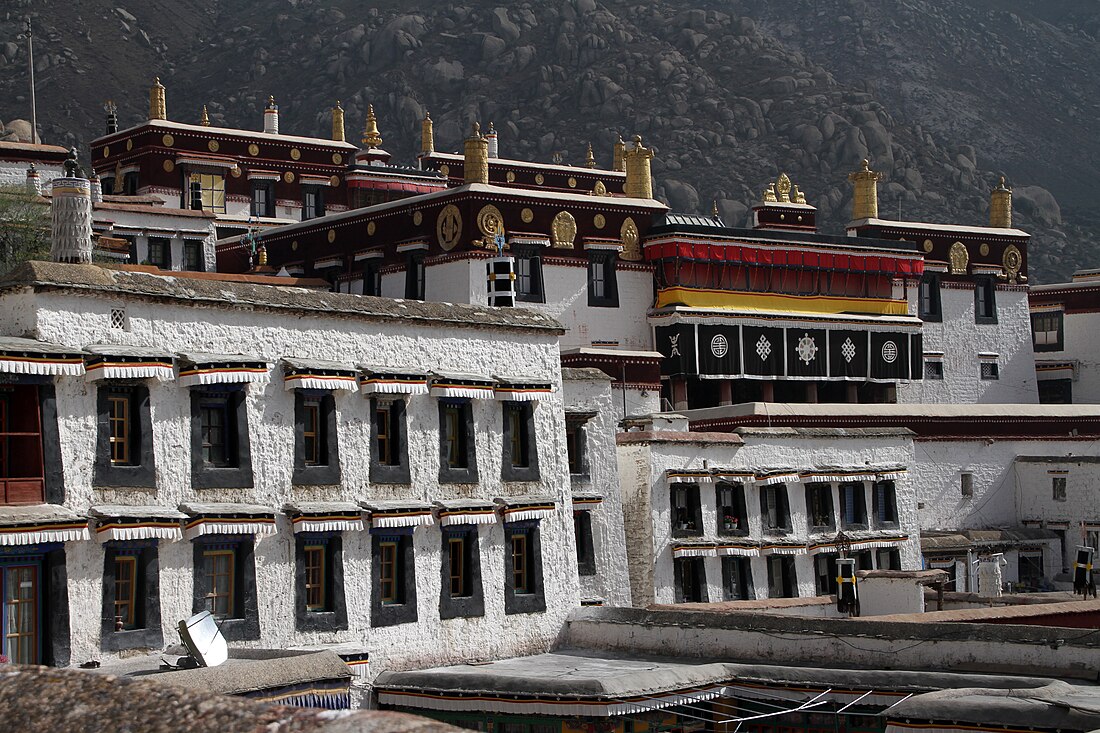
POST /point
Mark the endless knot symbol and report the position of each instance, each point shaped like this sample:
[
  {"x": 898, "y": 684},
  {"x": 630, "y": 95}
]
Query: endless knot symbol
[
  {"x": 806, "y": 348},
  {"x": 889, "y": 352},
  {"x": 763, "y": 348},
  {"x": 848, "y": 350},
  {"x": 719, "y": 346}
]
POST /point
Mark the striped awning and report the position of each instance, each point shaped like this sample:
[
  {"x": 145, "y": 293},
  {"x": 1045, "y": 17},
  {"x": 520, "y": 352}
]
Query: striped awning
[
  {"x": 777, "y": 477},
  {"x": 385, "y": 380},
  {"x": 325, "y": 516},
  {"x": 696, "y": 549},
  {"x": 522, "y": 389},
  {"x": 586, "y": 500},
  {"x": 29, "y": 356},
  {"x": 227, "y": 518},
  {"x": 316, "y": 374},
  {"x": 782, "y": 549},
  {"x": 688, "y": 475},
  {"x": 107, "y": 361},
  {"x": 121, "y": 523},
  {"x": 471, "y": 386},
  {"x": 398, "y": 513},
  {"x": 32, "y": 525},
  {"x": 465, "y": 511},
  {"x": 738, "y": 549},
  {"x": 519, "y": 508},
  {"x": 199, "y": 369}
]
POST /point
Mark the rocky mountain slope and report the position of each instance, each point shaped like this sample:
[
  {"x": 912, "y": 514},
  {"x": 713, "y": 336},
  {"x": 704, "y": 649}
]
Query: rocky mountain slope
[{"x": 942, "y": 96}]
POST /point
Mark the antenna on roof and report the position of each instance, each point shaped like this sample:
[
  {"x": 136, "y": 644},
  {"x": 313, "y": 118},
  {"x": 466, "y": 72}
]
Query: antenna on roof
[
  {"x": 30, "y": 68},
  {"x": 205, "y": 644}
]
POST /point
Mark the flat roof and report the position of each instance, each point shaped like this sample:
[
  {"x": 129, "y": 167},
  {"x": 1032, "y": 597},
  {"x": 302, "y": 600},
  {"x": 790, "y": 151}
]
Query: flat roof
[
  {"x": 178, "y": 286},
  {"x": 932, "y": 227},
  {"x": 237, "y": 132},
  {"x": 778, "y": 411}
]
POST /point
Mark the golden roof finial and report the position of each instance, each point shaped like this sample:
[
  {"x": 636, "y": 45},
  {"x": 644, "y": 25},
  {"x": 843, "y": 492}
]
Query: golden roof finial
[
  {"x": 205, "y": 121},
  {"x": 714, "y": 208},
  {"x": 1000, "y": 206},
  {"x": 590, "y": 159},
  {"x": 618, "y": 156},
  {"x": 157, "y": 107},
  {"x": 864, "y": 192},
  {"x": 639, "y": 179},
  {"x": 769, "y": 194},
  {"x": 477, "y": 129},
  {"x": 338, "y": 122},
  {"x": 783, "y": 188},
  {"x": 261, "y": 255},
  {"x": 371, "y": 138},
  {"x": 427, "y": 135},
  {"x": 797, "y": 196},
  {"x": 271, "y": 101}
]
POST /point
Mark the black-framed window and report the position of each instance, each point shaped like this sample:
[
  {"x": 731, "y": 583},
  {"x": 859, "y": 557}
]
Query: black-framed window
[
  {"x": 775, "y": 510},
  {"x": 985, "y": 300},
  {"x": 263, "y": 198},
  {"x": 825, "y": 573},
  {"x": 221, "y": 455},
  {"x": 989, "y": 370},
  {"x": 107, "y": 185},
  {"x": 207, "y": 192},
  {"x": 521, "y": 458},
  {"x": 576, "y": 444},
  {"x": 523, "y": 590},
  {"x": 686, "y": 511},
  {"x": 853, "y": 506},
  {"x": 528, "y": 271},
  {"x": 1047, "y": 330},
  {"x": 193, "y": 260},
  {"x": 457, "y": 455},
  {"x": 130, "y": 183},
  {"x": 389, "y": 458},
  {"x": 319, "y": 582},
  {"x": 864, "y": 559},
  {"x": 690, "y": 580},
  {"x": 225, "y": 584},
  {"x": 733, "y": 518},
  {"x": 124, "y": 447},
  {"x": 586, "y": 549},
  {"x": 1056, "y": 392},
  {"x": 819, "y": 507},
  {"x": 461, "y": 592},
  {"x": 737, "y": 579},
  {"x": 888, "y": 559},
  {"x": 933, "y": 369},
  {"x": 316, "y": 448},
  {"x": 414, "y": 276},
  {"x": 160, "y": 252},
  {"x": 1058, "y": 488},
  {"x": 782, "y": 580},
  {"x": 372, "y": 277},
  {"x": 603, "y": 289},
  {"x": 1030, "y": 567},
  {"x": 885, "y": 504},
  {"x": 393, "y": 578},
  {"x": 131, "y": 596},
  {"x": 313, "y": 202},
  {"x": 928, "y": 298}
]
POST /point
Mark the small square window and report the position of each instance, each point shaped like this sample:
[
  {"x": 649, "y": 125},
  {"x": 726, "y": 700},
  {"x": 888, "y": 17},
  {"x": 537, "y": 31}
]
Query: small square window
[
  {"x": 1058, "y": 487},
  {"x": 118, "y": 319},
  {"x": 933, "y": 369},
  {"x": 990, "y": 370},
  {"x": 966, "y": 484}
]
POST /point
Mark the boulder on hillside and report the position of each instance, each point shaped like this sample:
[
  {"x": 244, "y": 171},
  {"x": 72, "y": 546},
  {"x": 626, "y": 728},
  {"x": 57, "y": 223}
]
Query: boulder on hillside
[{"x": 1037, "y": 203}]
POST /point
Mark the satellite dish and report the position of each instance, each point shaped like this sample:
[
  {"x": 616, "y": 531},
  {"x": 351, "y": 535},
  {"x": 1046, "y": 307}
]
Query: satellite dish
[{"x": 204, "y": 640}]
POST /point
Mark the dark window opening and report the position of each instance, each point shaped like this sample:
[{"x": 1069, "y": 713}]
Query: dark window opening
[
  {"x": 456, "y": 441},
  {"x": 782, "y": 581},
  {"x": 928, "y": 298},
  {"x": 985, "y": 301},
  {"x": 22, "y": 471},
  {"x": 520, "y": 455},
  {"x": 885, "y": 504},
  {"x": 603, "y": 290},
  {"x": 853, "y": 506},
  {"x": 687, "y": 514},
  {"x": 461, "y": 592},
  {"x": 217, "y": 431},
  {"x": 737, "y": 579},
  {"x": 933, "y": 369},
  {"x": 990, "y": 370},
  {"x": 825, "y": 572},
  {"x": 316, "y": 451},
  {"x": 1047, "y": 330},
  {"x": 131, "y": 596},
  {"x": 888, "y": 559},
  {"x": 221, "y": 456},
  {"x": 586, "y": 551},
  {"x": 160, "y": 252},
  {"x": 372, "y": 278},
  {"x": 393, "y": 592},
  {"x": 130, "y": 183},
  {"x": 732, "y": 515},
  {"x": 414, "y": 276},
  {"x": 523, "y": 591},
  {"x": 528, "y": 271},
  {"x": 263, "y": 198},
  {"x": 775, "y": 511},
  {"x": 225, "y": 584},
  {"x": 313, "y": 202},
  {"x": 193, "y": 256},
  {"x": 319, "y": 582},
  {"x": 819, "y": 507},
  {"x": 124, "y": 444},
  {"x": 576, "y": 445},
  {"x": 690, "y": 577}
]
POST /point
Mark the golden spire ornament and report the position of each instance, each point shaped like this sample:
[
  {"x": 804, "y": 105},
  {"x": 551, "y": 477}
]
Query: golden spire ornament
[
  {"x": 338, "y": 122},
  {"x": 590, "y": 160},
  {"x": 371, "y": 138},
  {"x": 427, "y": 135},
  {"x": 205, "y": 121},
  {"x": 157, "y": 107},
  {"x": 714, "y": 208}
]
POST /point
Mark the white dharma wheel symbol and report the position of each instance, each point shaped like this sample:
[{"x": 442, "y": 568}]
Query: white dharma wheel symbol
[
  {"x": 806, "y": 349},
  {"x": 719, "y": 346},
  {"x": 889, "y": 352}
]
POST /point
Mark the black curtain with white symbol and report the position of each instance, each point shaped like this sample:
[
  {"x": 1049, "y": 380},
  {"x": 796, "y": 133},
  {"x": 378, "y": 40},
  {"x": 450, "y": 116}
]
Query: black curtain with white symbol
[
  {"x": 719, "y": 351},
  {"x": 806, "y": 353}
]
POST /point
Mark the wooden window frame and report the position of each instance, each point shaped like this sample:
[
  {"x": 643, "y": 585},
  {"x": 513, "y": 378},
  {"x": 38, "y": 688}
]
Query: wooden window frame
[
  {"x": 521, "y": 570},
  {"x": 313, "y": 432},
  {"x": 35, "y": 634},
  {"x": 455, "y": 436},
  {"x": 211, "y": 556},
  {"x": 127, "y": 588},
  {"x": 316, "y": 567},
  {"x": 385, "y": 436},
  {"x": 121, "y": 444},
  {"x": 459, "y": 573},
  {"x": 389, "y": 556},
  {"x": 211, "y": 404}
]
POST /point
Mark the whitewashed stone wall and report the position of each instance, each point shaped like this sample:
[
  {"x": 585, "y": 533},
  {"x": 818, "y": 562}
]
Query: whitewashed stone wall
[
  {"x": 1079, "y": 341},
  {"x": 13, "y": 173},
  {"x": 611, "y": 581},
  {"x": 961, "y": 340},
  {"x": 81, "y": 320},
  {"x": 647, "y": 510}
]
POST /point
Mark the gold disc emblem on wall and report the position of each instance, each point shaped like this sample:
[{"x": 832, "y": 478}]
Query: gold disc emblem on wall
[
  {"x": 371, "y": 227},
  {"x": 295, "y": 153},
  {"x": 213, "y": 146},
  {"x": 958, "y": 258},
  {"x": 448, "y": 227},
  {"x": 510, "y": 176},
  {"x": 130, "y": 144},
  {"x": 417, "y": 218},
  {"x": 334, "y": 181},
  {"x": 928, "y": 245},
  {"x": 444, "y": 170},
  {"x": 337, "y": 159},
  {"x": 599, "y": 221},
  {"x": 167, "y": 140},
  {"x": 491, "y": 222},
  {"x": 331, "y": 235},
  {"x": 599, "y": 189},
  {"x": 628, "y": 233},
  {"x": 539, "y": 178},
  {"x": 169, "y": 166},
  {"x": 1013, "y": 262},
  {"x": 563, "y": 230},
  {"x": 572, "y": 182},
  {"x": 527, "y": 215},
  {"x": 235, "y": 171},
  {"x": 253, "y": 149},
  {"x": 294, "y": 246},
  {"x": 106, "y": 151},
  {"x": 288, "y": 177},
  {"x": 983, "y": 250}
]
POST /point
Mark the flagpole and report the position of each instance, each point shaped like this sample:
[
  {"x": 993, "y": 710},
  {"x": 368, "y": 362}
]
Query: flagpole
[{"x": 30, "y": 67}]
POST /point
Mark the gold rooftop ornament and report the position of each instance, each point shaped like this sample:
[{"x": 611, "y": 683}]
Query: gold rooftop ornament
[
  {"x": 865, "y": 192},
  {"x": 639, "y": 180},
  {"x": 371, "y": 138},
  {"x": 157, "y": 107},
  {"x": 1000, "y": 206},
  {"x": 205, "y": 121},
  {"x": 338, "y": 122},
  {"x": 769, "y": 194},
  {"x": 783, "y": 188},
  {"x": 617, "y": 156},
  {"x": 427, "y": 135},
  {"x": 590, "y": 159},
  {"x": 476, "y": 153}
]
